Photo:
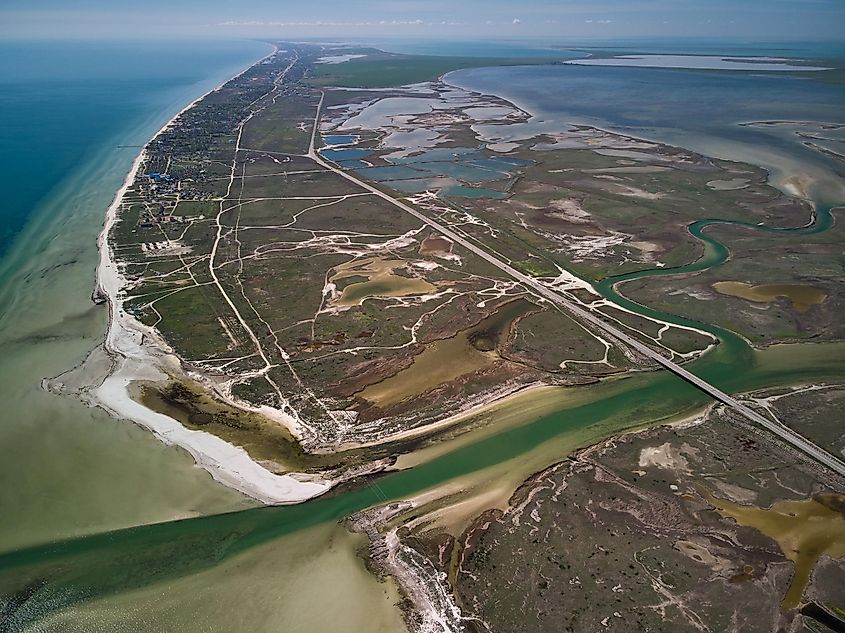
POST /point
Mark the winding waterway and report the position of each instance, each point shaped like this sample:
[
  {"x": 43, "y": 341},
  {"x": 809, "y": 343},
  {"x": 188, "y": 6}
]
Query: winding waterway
[
  {"x": 105, "y": 566},
  {"x": 294, "y": 568},
  {"x": 733, "y": 350}
]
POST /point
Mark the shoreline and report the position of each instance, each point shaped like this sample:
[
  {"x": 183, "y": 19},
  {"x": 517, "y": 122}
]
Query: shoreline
[
  {"x": 137, "y": 353},
  {"x": 481, "y": 405},
  {"x": 779, "y": 176}
]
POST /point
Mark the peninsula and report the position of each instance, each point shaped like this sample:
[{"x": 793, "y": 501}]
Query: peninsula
[{"x": 341, "y": 266}]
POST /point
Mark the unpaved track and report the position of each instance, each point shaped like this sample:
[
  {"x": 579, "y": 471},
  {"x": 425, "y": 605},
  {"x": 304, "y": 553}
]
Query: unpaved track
[{"x": 799, "y": 442}]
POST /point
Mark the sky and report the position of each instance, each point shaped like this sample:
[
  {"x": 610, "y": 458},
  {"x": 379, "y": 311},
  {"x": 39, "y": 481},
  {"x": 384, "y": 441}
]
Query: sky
[{"x": 751, "y": 20}]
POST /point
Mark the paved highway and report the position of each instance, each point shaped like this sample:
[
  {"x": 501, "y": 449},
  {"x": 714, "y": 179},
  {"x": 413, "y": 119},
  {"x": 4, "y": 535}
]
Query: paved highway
[{"x": 786, "y": 434}]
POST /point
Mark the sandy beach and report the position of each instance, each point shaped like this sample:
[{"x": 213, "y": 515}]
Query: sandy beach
[{"x": 138, "y": 353}]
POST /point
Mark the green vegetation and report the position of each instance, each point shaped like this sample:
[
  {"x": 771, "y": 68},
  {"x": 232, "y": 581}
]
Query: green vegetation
[
  {"x": 322, "y": 294},
  {"x": 281, "y": 316},
  {"x": 582, "y": 543},
  {"x": 535, "y": 267},
  {"x": 385, "y": 70},
  {"x": 812, "y": 261}
]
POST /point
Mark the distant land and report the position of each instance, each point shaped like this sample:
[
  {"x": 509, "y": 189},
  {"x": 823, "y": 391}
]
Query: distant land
[{"x": 561, "y": 355}]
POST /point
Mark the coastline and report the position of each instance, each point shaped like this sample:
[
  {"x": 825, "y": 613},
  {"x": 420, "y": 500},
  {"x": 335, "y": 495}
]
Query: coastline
[
  {"x": 137, "y": 353},
  {"x": 782, "y": 175}
]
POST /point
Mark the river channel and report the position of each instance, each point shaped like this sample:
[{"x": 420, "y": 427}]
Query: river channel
[{"x": 295, "y": 567}]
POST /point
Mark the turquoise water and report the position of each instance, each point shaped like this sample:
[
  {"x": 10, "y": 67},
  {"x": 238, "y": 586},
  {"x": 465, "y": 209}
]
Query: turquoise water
[
  {"x": 69, "y": 574},
  {"x": 339, "y": 139},
  {"x": 391, "y": 172},
  {"x": 418, "y": 185},
  {"x": 68, "y": 469},
  {"x": 427, "y": 169},
  {"x": 346, "y": 153},
  {"x": 62, "y": 102},
  {"x": 439, "y": 154},
  {"x": 460, "y": 171},
  {"x": 353, "y": 164}
]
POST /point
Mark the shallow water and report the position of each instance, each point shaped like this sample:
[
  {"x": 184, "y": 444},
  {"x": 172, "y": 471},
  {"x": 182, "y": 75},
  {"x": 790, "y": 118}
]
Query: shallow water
[
  {"x": 805, "y": 530},
  {"x": 311, "y": 580},
  {"x": 381, "y": 281},
  {"x": 392, "y": 172},
  {"x": 700, "y": 62},
  {"x": 655, "y": 103},
  {"x": 380, "y": 114},
  {"x": 164, "y": 557},
  {"x": 340, "y": 139},
  {"x": 68, "y": 469},
  {"x": 446, "y": 360},
  {"x": 418, "y": 185},
  {"x": 802, "y": 297},
  {"x": 242, "y": 569},
  {"x": 345, "y": 153}
]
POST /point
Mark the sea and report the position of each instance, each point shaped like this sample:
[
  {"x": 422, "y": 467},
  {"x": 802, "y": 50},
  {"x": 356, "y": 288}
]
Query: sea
[
  {"x": 715, "y": 112},
  {"x": 73, "y": 116}
]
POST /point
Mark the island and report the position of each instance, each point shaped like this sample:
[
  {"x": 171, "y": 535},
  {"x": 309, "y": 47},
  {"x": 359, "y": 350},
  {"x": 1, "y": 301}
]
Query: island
[{"x": 341, "y": 265}]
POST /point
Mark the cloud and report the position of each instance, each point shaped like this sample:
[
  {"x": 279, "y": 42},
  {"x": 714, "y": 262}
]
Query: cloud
[
  {"x": 321, "y": 23},
  {"x": 245, "y": 23},
  {"x": 402, "y": 22}
]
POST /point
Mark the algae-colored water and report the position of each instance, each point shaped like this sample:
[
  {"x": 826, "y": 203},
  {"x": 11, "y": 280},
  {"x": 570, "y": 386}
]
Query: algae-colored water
[
  {"x": 119, "y": 571},
  {"x": 68, "y": 469},
  {"x": 805, "y": 530},
  {"x": 435, "y": 246},
  {"x": 382, "y": 281},
  {"x": 311, "y": 580},
  {"x": 267, "y": 568},
  {"x": 159, "y": 555},
  {"x": 802, "y": 297},
  {"x": 448, "y": 359},
  {"x": 141, "y": 559}
]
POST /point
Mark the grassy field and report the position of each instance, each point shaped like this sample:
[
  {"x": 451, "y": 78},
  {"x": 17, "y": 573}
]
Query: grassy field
[
  {"x": 291, "y": 231},
  {"x": 812, "y": 261},
  {"x": 287, "y": 227},
  {"x": 386, "y": 70}
]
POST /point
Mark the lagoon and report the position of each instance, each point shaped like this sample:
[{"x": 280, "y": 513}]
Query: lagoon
[
  {"x": 259, "y": 569},
  {"x": 655, "y": 104}
]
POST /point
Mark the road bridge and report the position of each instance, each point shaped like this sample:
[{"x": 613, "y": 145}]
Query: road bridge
[{"x": 786, "y": 434}]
